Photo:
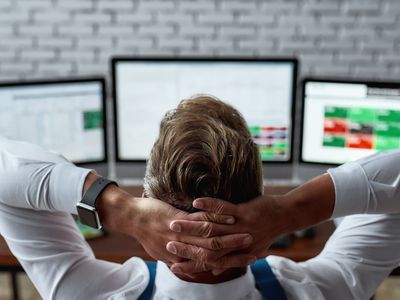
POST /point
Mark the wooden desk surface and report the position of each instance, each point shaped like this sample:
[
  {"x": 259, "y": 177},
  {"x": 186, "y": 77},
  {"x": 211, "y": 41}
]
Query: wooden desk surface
[{"x": 118, "y": 248}]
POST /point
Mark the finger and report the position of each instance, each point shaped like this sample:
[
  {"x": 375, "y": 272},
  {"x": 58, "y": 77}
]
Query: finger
[
  {"x": 235, "y": 241},
  {"x": 211, "y": 217},
  {"x": 217, "y": 272},
  {"x": 217, "y": 206},
  {"x": 193, "y": 252},
  {"x": 235, "y": 261},
  {"x": 201, "y": 228}
]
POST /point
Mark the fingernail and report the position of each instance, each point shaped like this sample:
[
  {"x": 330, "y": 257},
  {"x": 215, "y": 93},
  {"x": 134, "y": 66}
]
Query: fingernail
[
  {"x": 176, "y": 269},
  {"x": 247, "y": 240},
  {"x": 175, "y": 227},
  {"x": 230, "y": 220},
  {"x": 198, "y": 204},
  {"x": 171, "y": 248}
]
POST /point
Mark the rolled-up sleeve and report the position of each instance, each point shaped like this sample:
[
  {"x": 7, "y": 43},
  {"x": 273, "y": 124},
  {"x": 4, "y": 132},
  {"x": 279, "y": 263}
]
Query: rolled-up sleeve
[{"x": 369, "y": 185}]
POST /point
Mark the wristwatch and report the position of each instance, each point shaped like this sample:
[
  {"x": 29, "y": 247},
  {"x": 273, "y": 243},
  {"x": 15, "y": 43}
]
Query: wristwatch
[{"x": 87, "y": 212}]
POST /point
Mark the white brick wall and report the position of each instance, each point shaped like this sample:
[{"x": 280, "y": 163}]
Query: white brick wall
[{"x": 349, "y": 38}]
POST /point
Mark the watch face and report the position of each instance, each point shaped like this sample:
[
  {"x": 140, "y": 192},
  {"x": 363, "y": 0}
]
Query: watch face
[{"x": 88, "y": 216}]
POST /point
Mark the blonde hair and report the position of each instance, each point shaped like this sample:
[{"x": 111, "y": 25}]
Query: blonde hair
[{"x": 204, "y": 149}]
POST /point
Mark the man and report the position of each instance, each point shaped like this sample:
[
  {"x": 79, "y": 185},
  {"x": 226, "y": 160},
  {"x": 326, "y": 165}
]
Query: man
[{"x": 62, "y": 266}]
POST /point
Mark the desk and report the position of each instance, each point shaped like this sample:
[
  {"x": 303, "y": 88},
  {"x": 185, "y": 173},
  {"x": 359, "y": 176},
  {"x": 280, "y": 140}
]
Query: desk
[{"x": 118, "y": 248}]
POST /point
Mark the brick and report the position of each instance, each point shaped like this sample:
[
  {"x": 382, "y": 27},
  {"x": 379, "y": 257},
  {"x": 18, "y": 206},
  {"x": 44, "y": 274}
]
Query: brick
[
  {"x": 199, "y": 5},
  {"x": 377, "y": 45},
  {"x": 35, "y": 29},
  {"x": 279, "y": 6},
  {"x": 174, "y": 18},
  {"x": 238, "y": 5},
  {"x": 59, "y": 68},
  {"x": 116, "y": 5},
  {"x": 338, "y": 44},
  {"x": 75, "y": 4},
  {"x": 321, "y": 7},
  {"x": 36, "y": 54},
  {"x": 156, "y": 30},
  {"x": 135, "y": 42},
  {"x": 317, "y": 31},
  {"x": 14, "y": 17},
  {"x": 92, "y": 69},
  {"x": 215, "y": 43},
  {"x": 385, "y": 20},
  {"x": 280, "y": 32},
  {"x": 216, "y": 18},
  {"x": 17, "y": 42},
  {"x": 156, "y": 52},
  {"x": 296, "y": 45},
  {"x": 357, "y": 32},
  {"x": 92, "y": 18},
  {"x": 51, "y": 16},
  {"x": 6, "y": 29},
  {"x": 388, "y": 58},
  {"x": 55, "y": 42},
  {"x": 34, "y": 4},
  {"x": 16, "y": 67},
  {"x": 7, "y": 55},
  {"x": 341, "y": 70},
  {"x": 193, "y": 30},
  {"x": 361, "y": 7},
  {"x": 301, "y": 20},
  {"x": 95, "y": 42},
  {"x": 115, "y": 30},
  {"x": 369, "y": 71},
  {"x": 77, "y": 55},
  {"x": 237, "y": 31},
  {"x": 157, "y": 5},
  {"x": 355, "y": 58},
  {"x": 75, "y": 30},
  {"x": 256, "y": 43},
  {"x": 316, "y": 58},
  {"x": 339, "y": 20},
  {"x": 134, "y": 18},
  {"x": 175, "y": 43},
  {"x": 5, "y": 4},
  {"x": 256, "y": 18}
]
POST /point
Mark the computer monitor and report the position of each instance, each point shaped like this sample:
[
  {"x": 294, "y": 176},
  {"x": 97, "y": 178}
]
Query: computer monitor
[
  {"x": 347, "y": 120},
  {"x": 67, "y": 116},
  {"x": 263, "y": 90}
]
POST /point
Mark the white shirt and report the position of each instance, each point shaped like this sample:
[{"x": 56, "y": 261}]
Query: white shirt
[{"x": 39, "y": 191}]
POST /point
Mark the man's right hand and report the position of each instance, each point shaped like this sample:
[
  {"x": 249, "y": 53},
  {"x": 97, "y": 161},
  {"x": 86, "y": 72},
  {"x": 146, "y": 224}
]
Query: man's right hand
[{"x": 265, "y": 218}]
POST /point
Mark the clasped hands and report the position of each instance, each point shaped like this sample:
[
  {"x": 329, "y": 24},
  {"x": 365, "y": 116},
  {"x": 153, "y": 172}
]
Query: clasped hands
[{"x": 222, "y": 235}]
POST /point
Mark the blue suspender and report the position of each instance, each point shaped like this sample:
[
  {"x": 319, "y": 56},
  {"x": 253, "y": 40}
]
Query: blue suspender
[
  {"x": 148, "y": 292},
  {"x": 266, "y": 281}
]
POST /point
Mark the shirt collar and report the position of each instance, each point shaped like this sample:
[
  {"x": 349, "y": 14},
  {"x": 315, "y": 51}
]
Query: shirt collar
[{"x": 175, "y": 288}]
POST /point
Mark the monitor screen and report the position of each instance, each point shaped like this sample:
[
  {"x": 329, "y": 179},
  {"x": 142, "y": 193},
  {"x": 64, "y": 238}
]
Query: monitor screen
[
  {"x": 344, "y": 121},
  {"x": 64, "y": 116},
  {"x": 262, "y": 90}
]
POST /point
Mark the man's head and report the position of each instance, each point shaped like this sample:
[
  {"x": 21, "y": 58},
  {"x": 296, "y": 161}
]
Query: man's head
[{"x": 203, "y": 149}]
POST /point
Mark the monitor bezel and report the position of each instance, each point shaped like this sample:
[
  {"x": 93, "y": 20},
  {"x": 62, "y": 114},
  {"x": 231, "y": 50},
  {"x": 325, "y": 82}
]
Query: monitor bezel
[
  {"x": 95, "y": 79},
  {"x": 118, "y": 59},
  {"x": 375, "y": 83}
]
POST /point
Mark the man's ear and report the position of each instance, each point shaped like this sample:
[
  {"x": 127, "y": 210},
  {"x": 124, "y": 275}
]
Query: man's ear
[{"x": 144, "y": 195}]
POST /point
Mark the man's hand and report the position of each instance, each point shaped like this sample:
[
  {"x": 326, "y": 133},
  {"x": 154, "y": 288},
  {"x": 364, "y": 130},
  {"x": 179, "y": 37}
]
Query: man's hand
[
  {"x": 265, "y": 218},
  {"x": 147, "y": 220}
]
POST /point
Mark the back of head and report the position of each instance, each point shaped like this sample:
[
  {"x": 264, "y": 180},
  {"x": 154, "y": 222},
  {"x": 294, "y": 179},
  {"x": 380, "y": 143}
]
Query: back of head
[{"x": 203, "y": 149}]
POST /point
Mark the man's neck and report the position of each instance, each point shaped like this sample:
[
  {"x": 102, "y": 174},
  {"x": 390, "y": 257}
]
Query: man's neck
[{"x": 209, "y": 278}]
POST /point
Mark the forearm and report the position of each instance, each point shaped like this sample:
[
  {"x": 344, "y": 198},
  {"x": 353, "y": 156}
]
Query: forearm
[{"x": 309, "y": 204}]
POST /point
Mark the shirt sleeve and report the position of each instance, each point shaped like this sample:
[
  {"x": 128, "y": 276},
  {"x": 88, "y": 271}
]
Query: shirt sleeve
[
  {"x": 369, "y": 185},
  {"x": 357, "y": 258},
  {"x": 34, "y": 178},
  {"x": 38, "y": 191}
]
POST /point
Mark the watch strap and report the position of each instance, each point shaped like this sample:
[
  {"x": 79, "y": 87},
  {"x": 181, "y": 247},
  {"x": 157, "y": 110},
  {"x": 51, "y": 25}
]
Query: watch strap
[{"x": 96, "y": 188}]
